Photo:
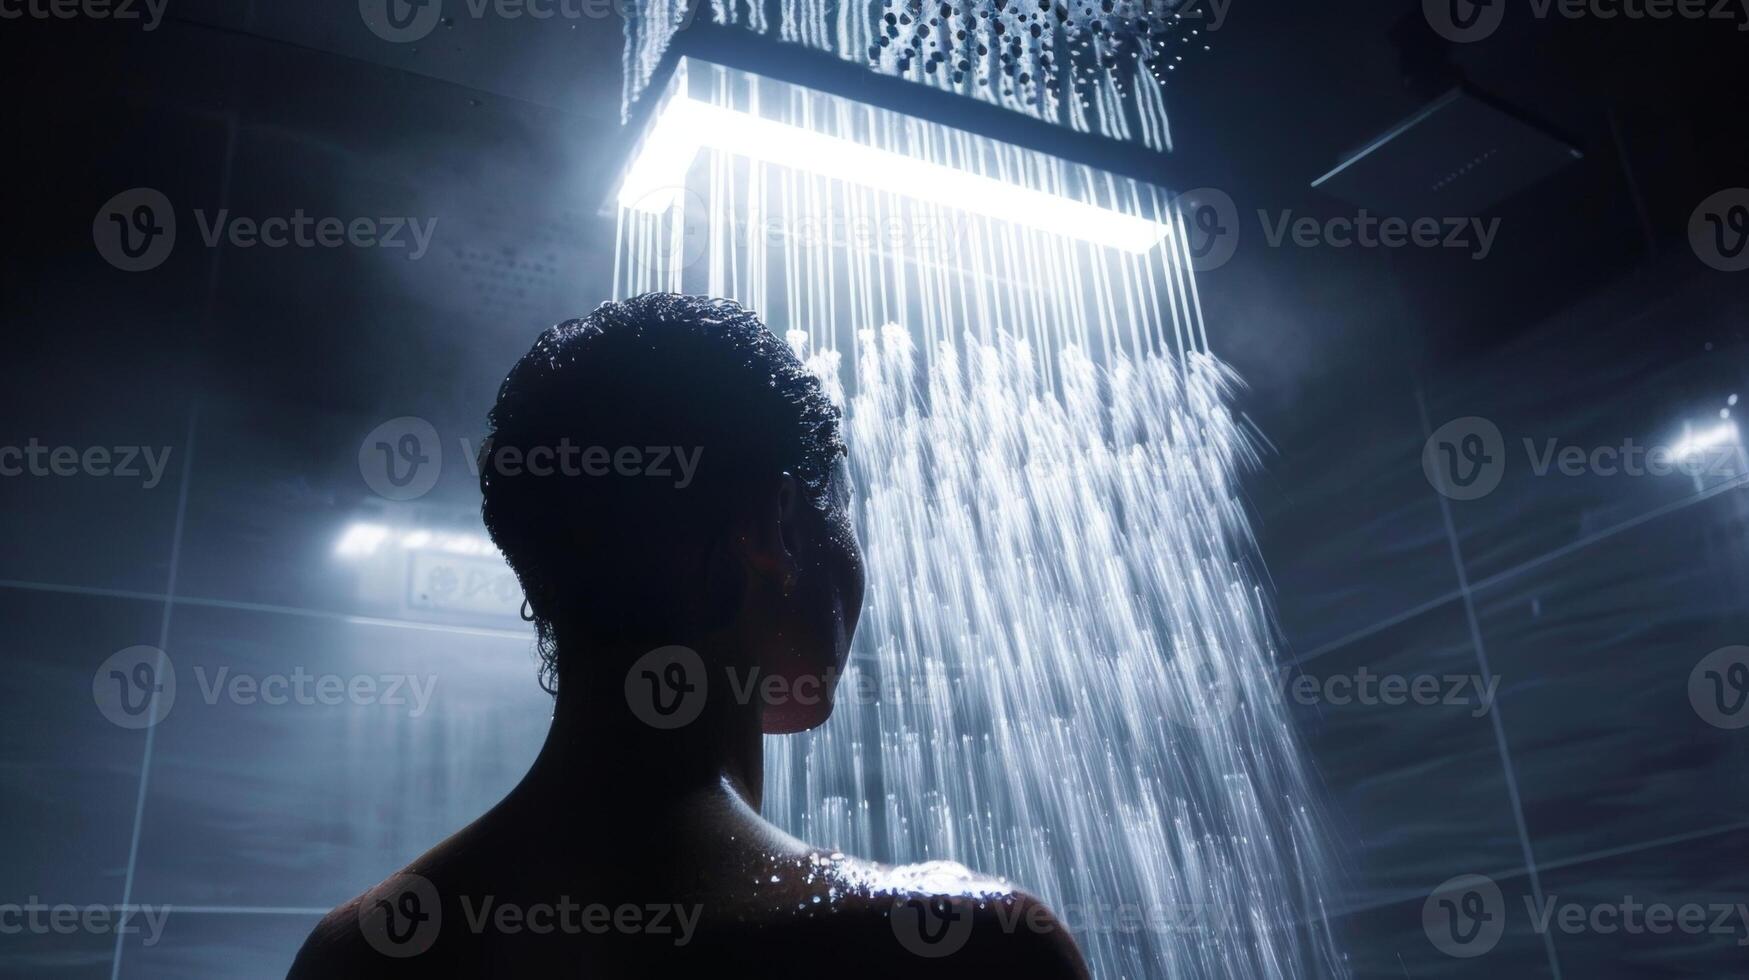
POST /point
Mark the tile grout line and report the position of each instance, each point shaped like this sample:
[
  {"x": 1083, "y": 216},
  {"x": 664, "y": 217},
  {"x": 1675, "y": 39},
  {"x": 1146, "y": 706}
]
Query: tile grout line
[
  {"x": 264, "y": 607},
  {"x": 1506, "y": 575},
  {"x": 1494, "y": 717},
  {"x": 209, "y": 311},
  {"x": 127, "y": 892},
  {"x": 1347, "y": 639},
  {"x": 1395, "y": 619},
  {"x": 1628, "y": 524},
  {"x": 1577, "y": 860}
]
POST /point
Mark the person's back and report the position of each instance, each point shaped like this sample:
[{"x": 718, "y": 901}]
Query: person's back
[
  {"x": 705, "y": 893},
  {"x": 682, "y": 615}
]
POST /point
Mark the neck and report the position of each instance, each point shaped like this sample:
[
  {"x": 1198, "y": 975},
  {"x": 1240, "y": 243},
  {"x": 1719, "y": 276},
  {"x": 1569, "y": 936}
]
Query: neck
[{"x": 598, "y": 748}]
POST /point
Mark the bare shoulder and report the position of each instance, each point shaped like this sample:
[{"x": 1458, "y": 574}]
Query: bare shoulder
[
  {"x": 392, "y": 930},
  {"x": 784, "y": 917},
  {"x": 335, "y": 948},
  {"x": 934, "y": 919},
  {"x": 410, "y": 924},
  {"x": 945, "y": 912}
]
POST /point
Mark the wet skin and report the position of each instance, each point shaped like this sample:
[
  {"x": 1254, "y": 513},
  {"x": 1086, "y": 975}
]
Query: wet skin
[{"x": 630, "y": 851}]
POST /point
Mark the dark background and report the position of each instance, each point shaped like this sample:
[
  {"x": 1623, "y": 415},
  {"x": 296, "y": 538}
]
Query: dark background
[{"x": 1592, "y": 322}]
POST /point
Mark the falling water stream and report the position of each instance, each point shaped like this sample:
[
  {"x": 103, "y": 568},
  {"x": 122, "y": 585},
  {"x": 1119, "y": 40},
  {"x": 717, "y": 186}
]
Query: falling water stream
[{"x": 1064, "y": 671}]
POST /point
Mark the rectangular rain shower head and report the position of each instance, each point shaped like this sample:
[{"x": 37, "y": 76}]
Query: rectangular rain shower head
[
  {"x": 686, "y": 120},
  {"x": 1070, "y": 64},
  {"x": 759, "y": 54},
  {"x": 835, "y": 199}
]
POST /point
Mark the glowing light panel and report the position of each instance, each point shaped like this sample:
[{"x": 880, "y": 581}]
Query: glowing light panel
[
  {"x": 657, "y": 177},
  {"x": 1695, "y": 443}
]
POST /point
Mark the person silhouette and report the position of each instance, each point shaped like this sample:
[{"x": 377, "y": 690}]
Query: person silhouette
[{"x": 668, "y": 482}]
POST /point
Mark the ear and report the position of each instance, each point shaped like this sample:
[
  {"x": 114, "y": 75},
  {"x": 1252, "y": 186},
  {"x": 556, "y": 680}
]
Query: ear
[
  {"x": 791, "y": 534},
  {"x": 772, "y": 540}
]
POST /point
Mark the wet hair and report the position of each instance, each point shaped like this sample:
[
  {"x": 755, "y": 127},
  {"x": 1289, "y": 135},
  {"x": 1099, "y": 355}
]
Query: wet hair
[{"x": 604, "y": 550}]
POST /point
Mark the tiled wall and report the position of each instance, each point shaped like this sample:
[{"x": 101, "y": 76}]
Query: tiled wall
[
  {"x": 1590, "y": 778},
  {"x": 252, "y": 819}
]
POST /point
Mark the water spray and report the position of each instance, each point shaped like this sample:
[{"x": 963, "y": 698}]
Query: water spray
[{"x": 1065, "y": 672}]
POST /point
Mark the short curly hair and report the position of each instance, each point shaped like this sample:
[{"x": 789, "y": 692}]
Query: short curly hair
[{"x": 599, "y": 553}]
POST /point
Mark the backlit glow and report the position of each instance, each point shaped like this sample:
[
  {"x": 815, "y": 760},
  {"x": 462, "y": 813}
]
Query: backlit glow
[
  {"x": 362, "y": 539},
  {"x": 657, "y": 178},
  {"x": 1695, "y": 443}
]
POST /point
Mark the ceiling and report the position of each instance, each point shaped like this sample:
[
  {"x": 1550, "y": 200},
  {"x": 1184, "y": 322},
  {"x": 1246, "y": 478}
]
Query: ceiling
[{"x": 1285, "y": 91}]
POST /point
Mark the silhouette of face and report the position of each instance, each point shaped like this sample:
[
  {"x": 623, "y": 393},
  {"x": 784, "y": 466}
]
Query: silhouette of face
[{"x": 814, "y": 624}]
